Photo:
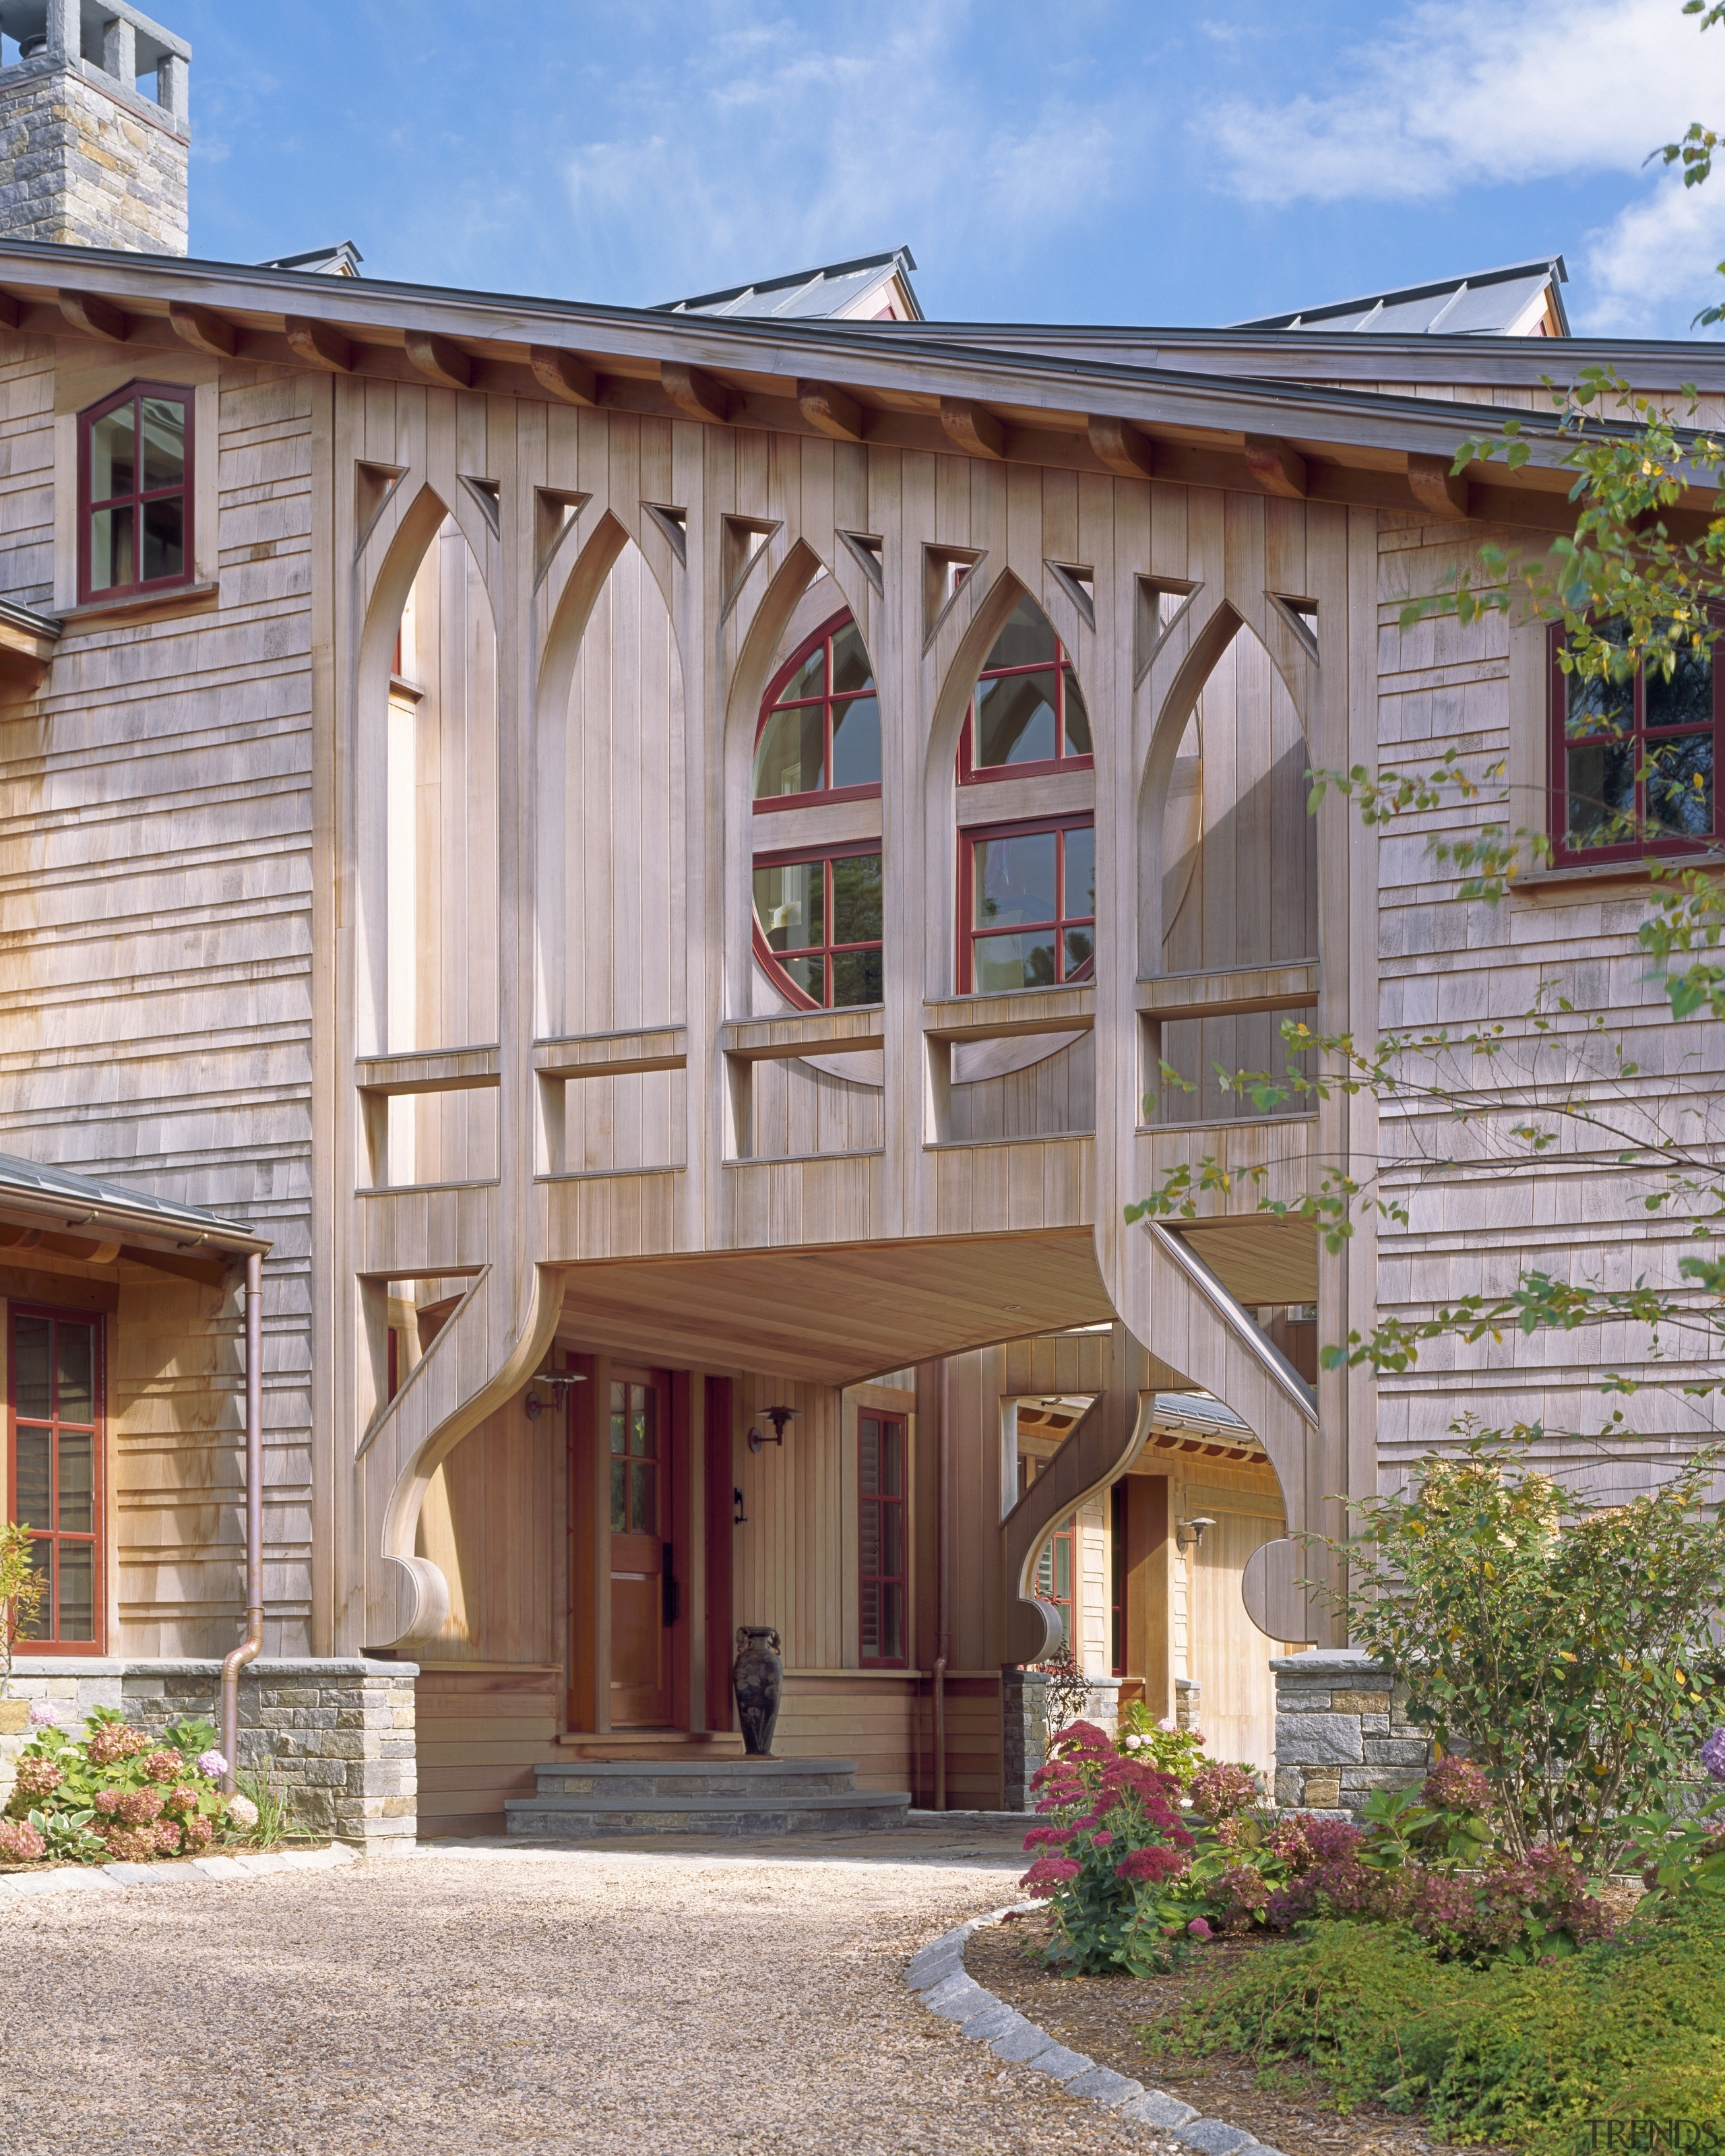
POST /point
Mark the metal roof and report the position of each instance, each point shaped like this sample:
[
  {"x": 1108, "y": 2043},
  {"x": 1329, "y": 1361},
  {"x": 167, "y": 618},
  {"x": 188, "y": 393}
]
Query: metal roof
[
  {"x": 341, "y": 260},
  {"x": 1484, "y": 303},
  {"x": 82, "y": 1201},
  {"x": 806, "y": 295}
]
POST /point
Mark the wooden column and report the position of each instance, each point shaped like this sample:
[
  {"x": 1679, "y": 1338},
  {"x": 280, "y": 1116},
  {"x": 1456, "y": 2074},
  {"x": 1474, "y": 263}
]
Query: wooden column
[
  {"x": 1149, "y": 1590},
  {"x": 719, "y": 1437},
  {"x": 590, "y": 1549}
]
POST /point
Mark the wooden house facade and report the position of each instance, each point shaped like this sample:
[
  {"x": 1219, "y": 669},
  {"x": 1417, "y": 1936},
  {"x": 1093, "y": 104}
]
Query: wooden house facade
[{"x": 655, "y": 858}]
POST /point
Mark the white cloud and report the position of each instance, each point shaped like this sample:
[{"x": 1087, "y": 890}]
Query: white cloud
[
  {"x": 1468, "y": 92},
  {"x": 759, "y": 152},
  {"x": 1656, "y": 258}
]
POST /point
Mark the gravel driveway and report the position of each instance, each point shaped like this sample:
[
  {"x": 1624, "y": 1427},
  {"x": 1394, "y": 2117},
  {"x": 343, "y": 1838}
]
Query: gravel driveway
[{"x": 715, "y": 1998}]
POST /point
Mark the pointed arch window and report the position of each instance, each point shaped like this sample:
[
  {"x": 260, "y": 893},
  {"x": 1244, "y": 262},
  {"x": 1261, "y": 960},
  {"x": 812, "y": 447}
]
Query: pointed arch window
[
  {"x": 1027, "y": 714},
  {"x": 818, "y": 736}
]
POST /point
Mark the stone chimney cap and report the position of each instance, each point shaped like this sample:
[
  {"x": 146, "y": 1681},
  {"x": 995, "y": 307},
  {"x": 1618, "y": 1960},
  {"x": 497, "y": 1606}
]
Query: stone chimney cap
[{"x": 29, "y": 19}]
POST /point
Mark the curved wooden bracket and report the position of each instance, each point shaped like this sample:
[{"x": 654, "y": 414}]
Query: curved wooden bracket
[
  {"x": 830, "y": 410},
  {"x": 1436, "y": 487},
  {"x": 1278, "y": 466},
  {"x": 436, "y": 358},
  {"x": 564, "y": 374},
  {"x": 203, "y": 329},
  {"x": 1118, "y": 445},
  {"x": 973, "y": 428},
  {"x": 702, "y": 396},
  {"x": 95, "y": 316},
  {"x": 316, "y": 344}
]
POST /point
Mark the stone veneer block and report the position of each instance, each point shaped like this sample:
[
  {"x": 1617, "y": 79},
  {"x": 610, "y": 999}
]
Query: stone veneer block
[
  {"x": 1341, "y": 1732},
  {"x": 88, "y": 162}
]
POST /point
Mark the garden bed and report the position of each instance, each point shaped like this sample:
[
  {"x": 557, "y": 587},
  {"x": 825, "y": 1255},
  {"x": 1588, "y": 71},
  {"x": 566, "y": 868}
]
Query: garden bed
[{"x": 1102, "y": 2016}]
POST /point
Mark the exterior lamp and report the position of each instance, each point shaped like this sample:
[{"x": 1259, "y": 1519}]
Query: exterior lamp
[
  {"x": 560, "y": 1382},
  {"x": 778, "y": 1417},
  {"x": 1192, "y": 1531}
]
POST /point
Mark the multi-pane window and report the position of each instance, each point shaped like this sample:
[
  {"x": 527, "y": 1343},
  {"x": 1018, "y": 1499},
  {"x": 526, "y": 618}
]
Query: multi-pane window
[
  {"x": 1030, "y": 897},
  {"x": 55, "y": 1370},
  {"x": 817, "y": 926},
  {"x": 1633, "y": 762},
  {"x": 880, "y": 1530},
  {"x": 820, "y": 734},
  {"x": 134, "y": 491},
  {"x": 1027, "y": 713},
  {"x": 1054, "y": 1577},
  {"x": 634, "y": 1459}
]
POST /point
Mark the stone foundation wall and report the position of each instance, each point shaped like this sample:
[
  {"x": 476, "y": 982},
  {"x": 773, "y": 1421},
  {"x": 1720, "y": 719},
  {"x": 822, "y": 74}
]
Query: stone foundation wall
[
  {"x": 1024, "y": 1713},
  {"x": 1342, "y": 1731},
  {"x": 337, "y": 1737},
  {"x": 86, "y": 162}
]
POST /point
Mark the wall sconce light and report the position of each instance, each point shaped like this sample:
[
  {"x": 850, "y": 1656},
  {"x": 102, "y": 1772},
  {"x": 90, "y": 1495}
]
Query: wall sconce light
[
  {"x": 560, "y": 1382},
  {"x": 738, "y": 1518},
  {"x": 1192, "y": 1531},
  {"x": 778, "y": 1417}
]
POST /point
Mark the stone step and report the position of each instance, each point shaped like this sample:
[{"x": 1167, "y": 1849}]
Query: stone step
[
  {"x": 766, "y": 1812},
  {"x": 642, "y": 1781}
]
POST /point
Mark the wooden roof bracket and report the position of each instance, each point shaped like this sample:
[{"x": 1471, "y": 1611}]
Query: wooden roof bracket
[
  {"x": 95, "y": 316},
  {"x": 830, "y": 410},
  {"x": 696, "y": 393},
  {"x": 1119, "y": 445},
  {"x": 1436, "y": 487},
  {"x": 565, "y": 374},
  {"x": 316, "y": 344},
  {"x": 1277, "y": 465},
  {"x": 441, "y": 360},
  {"x": 973, "y": 428}
]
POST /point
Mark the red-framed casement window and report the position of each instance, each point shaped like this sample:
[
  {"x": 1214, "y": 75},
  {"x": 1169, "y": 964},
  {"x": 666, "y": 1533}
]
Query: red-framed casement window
[
  {"x": 1027, "y": 713},
  {"x": 1633, "y": 763},
  {"x": 1027, "y": 904},
  {"x": 55, "y": 1383},
  {"x": 134, "y": 491},
  {"x": 880, "y": 1540},
  {"x": 818, "y": 925},
  {"x": 818, "y": 736}
]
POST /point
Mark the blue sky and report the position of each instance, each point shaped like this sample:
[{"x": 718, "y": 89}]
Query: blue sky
[{"x": 1111, "y": 160}]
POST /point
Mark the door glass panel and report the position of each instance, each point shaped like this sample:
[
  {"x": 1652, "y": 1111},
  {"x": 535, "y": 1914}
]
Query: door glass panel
[
  {"x": 164, "y": 443},
  {"x": 113, "y": 455},
  {"x": 645, "y": 1520},
  {"x": 892, "y": 1621},
  {"x": 619, "y": 1496},
  {"x": 42, "y": 1563},
  {"x": 77, "y": 1591},
  {"x": 76, "y": 1358},
  {"x": 640, "y": 1433},
  {"x": 77, "y": 1481},
  {"x": 33, "y": 1459},
  {"x": 32, "y": 1390}
]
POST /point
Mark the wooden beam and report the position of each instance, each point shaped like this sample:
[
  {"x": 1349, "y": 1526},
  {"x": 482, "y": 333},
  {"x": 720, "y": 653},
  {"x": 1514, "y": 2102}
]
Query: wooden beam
[
  {"x": 316, "y": 344},
  {"x": 830, "y": 410},
  {"x": 439, "y": 358},
  {"x": 1120, "y": 446},
  {"x": 208, "y": 1272},
  {"x": 96, "y": 317},
  {"x": 1436, "y": 487},
  {"x": 202, "y": 328},
  {"x": 1276, "y": 466},
  {"x": 9, "y": 310},
  {"x": 564, "y": 374},
  {"x": 973, "y": 428},
  {"x": 696, "y": 393}
]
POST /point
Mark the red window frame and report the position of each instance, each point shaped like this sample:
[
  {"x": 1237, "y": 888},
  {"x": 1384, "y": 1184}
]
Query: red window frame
[
  {"x": 134, "y": 394},
  {"x": 46, "y": 1640},
  {"x": 824, "y": 635},
  {"x": 880, "y": 1512},
  {"x": 1063, "y": 1539},
  {"x": 1639, "y": 738},
  {"x": 797, "y": 857},
  {"x": 969, "y": 935},
  {"x": 970, "y": 774},
  {"x": 1117, "y": 1501}
]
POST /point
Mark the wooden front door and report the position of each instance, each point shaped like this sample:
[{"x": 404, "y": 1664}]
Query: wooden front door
[{"x": 641, "y": 1586}]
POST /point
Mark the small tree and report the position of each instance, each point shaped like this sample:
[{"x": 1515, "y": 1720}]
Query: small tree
[
  {"x": 21, "y": 1585},
  {"x": 1566, "y": 1648}
]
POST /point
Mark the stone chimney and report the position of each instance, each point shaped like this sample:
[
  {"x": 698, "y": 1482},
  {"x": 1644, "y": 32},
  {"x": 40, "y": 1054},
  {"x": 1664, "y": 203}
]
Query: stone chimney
[{"x": 86, "y": 158}]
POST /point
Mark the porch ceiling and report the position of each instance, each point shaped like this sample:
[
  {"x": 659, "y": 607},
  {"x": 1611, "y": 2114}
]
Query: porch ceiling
[{"x": 837, "y": 1315}]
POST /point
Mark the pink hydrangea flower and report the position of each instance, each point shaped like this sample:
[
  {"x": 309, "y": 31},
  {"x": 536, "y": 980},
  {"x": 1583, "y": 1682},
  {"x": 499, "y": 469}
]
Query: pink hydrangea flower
[
  {"x": 163, "y": 1765},
  {"x": 44, "y": 1715},
  {"x": 212, "y": 1763},
  {"x": 20, "y": 1841},
  {"x": 107, "y": 1801}
]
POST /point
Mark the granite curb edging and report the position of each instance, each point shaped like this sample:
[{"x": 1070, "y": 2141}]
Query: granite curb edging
[
  {"x": 937, "y": 1975},
  {"x": 262, "y": 1864}
]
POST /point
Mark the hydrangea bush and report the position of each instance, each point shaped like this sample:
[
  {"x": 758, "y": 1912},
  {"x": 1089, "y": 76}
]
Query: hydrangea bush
[{"x": 114, "y": 1792}]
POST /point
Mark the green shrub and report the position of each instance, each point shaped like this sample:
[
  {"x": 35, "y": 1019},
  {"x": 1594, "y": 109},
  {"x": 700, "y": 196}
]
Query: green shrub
[
  {"x": 1632, "y": 2028},
  {"x": 116, "y": 1791}
]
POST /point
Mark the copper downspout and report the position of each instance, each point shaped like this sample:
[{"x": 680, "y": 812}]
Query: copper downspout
[
  {"x": 253, "y": 1638},
  {"x": 943, "y": 1624}
]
